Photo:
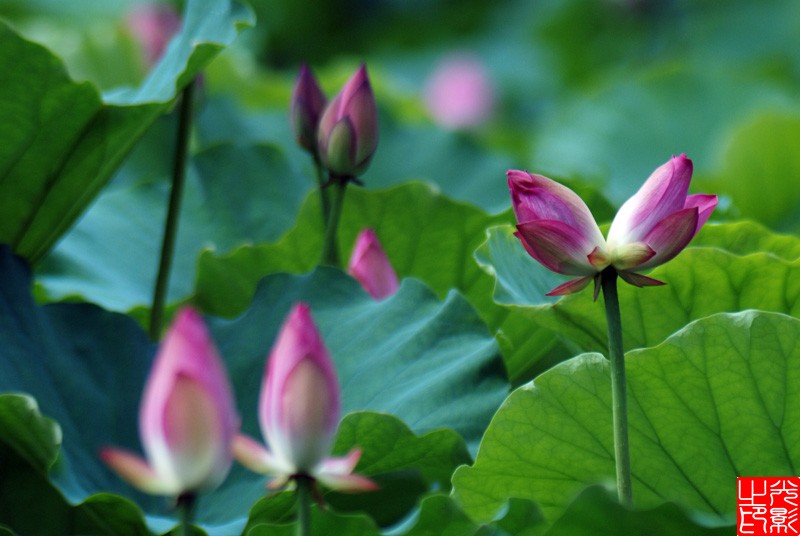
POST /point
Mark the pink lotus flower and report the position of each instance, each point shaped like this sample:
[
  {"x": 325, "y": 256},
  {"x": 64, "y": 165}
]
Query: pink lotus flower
[
  {"x": 370, "y": 266},
  {"x": 557, "y": 229},
  {"x": 187, "y": 419},
  {"x": 348, "y": 130},
  {"x": 308, "y": 103},
  {"x": 299, "y": 412}
]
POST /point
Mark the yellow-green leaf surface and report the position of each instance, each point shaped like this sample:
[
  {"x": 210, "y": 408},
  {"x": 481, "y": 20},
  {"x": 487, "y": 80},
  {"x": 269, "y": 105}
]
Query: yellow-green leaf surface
[{"x": 719, "y": 399}]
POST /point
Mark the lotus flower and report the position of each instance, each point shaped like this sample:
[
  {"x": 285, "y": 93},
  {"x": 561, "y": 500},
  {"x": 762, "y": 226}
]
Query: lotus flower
[
  {"x": 187, "y": 418},
  {"x": 370, "y": 266},
  {"x": 348, "y": 130},
  {"x": 299, "y": 411},
  {"x": 308, "y": 103},
  {"x": 557, "y": 229}
]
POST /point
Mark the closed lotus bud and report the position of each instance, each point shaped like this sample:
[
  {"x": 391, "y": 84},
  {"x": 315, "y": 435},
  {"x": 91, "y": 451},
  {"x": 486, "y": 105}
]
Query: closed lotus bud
[
  {"x": 348, "y": 130},
  {"x": 187, "y": 418},
  {"x": 299, "y": 411},
  {"x": 370, "y": 266},
  {"x": 308, "y": 103},
  {"x": 300, "y": 405}
]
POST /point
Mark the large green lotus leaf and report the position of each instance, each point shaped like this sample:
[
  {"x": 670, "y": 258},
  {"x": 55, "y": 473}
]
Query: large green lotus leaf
[
  {"x": 441, "y": 515},
  {"x": 759, "y": 169},
  {"x": 234, "y": 194},
  {"x": 745, "y": 237},
  {"x": 431, "y": 362},
  {"x": 596, "y": 512},
  {"x": 700, "y": 282},
  {"x": 62, "y": 141},
  {"x": 323, "y": 523},
  {"x": 438, "y": 515},
  {"x": 435, "y": 455},
  {"x": 35, "y": 437},
  {"x": 716, "y": 400}
]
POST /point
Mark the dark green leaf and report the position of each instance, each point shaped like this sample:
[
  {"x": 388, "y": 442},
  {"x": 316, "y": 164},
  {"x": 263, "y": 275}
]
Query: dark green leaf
[{"x": 62, "y": 141}]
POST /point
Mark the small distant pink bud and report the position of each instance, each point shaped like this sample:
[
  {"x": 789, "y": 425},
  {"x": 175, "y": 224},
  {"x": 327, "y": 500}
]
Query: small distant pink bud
[
  {"x": 308, "y": 103},
  {"x": 348, "y": 130},
  {"x": 299, "y": 410},
  {"x": 153, "y": 25},
  {"x": 187, "y": 418},
  {"x": 370, "y": 266},
  {"x": 459, "y": 93}
]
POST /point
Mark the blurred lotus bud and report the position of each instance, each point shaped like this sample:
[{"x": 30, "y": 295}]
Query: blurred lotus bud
[
  {"x": 153, "y": 25},
  {"x": 299, "y": 412},
  {"x": 187, "y": 418},
  {"x": 348, "y": 130},
  {"x": 459, "y": 93},
  {"x": 370, "y": 266},
  {"x": 308, "y": 103}
]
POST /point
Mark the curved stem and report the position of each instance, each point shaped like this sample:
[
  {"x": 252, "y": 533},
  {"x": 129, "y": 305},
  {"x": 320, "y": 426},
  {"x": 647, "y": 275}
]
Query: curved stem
[
  {"x": 330, "y": 252},
  {"x": 619, "y": 396},
  {"x": 304, "y": 484},
  {"x": 173, "y": 212},
  {"x": 186, "y": 504}
]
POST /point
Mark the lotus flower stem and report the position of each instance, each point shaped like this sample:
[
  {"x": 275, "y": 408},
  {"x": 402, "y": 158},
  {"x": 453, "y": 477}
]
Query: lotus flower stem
[
  {"x": 619, "y": 398},
  {"x": 304, "y": 492},
  {"x": 186, "y": 504},
  {"x": 330, "y": 252},
  {"x": 323, "y": 192},
  {"x": 173, "y": 212}
]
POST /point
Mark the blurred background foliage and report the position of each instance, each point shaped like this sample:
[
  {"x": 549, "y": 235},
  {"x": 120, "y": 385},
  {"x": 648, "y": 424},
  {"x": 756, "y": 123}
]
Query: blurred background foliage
[{"x": 603, "y": 90}]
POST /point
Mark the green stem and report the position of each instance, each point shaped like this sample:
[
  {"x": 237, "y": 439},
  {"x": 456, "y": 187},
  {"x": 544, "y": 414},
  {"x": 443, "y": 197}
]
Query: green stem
[
  {"x": 173, "y": 211},
  {"x": 325, "y": 202},
  {"x": 304, "y": 484},
  {"x": 186, "y": 504},
  {"x": 619, "y": 397},
  {"x": 330, "y": 252}
]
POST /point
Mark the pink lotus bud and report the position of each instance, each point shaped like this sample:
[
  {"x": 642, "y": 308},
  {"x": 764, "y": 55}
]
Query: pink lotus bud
[
  {"x": 153, "y": 25},
  {"x": 308, "y": 103},
  {"x": 557, "y": 229},
  {"x": 370, "y": 266},
  {"x": 299, "y": 411},
  {"x": 459, "y": 93},
  {"x": 348, "y": 130},
  {"x": 187, "y": 419}
]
